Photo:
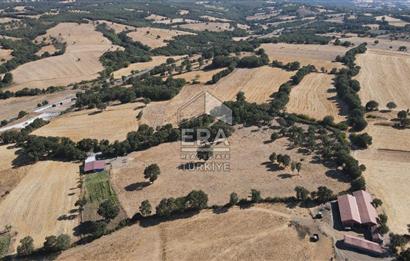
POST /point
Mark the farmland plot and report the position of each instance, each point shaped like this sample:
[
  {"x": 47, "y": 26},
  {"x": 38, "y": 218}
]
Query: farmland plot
[
  {"x": 384, "y": 77},
  {"x": 80, "y": 61},
  {"x": 317, "y": 55},
  {"x": 112, "y": 124},
  {"x": 155, "y": 37},
  {"x": 316, "y": 97},
  {"x": 42, "y": 203}
]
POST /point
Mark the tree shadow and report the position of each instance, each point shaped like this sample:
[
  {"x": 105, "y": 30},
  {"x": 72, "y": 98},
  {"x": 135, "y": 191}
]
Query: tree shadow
[
  {"x": 338, "y": 175},
  {"x": 155, "y": 220},
  {"x": 137, "y": 186},
  {"x": 286, "y": 176},
  {"x": 95, "y": 113},
  {"x": 220, "y": 210},
  {"x": 271, "y": 166}
]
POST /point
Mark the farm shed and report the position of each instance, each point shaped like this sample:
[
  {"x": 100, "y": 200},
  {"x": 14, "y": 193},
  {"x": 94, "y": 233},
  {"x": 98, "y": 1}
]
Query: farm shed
[
  {"x": 364, "y": 245},
  {"x": 94, "y": 166}
]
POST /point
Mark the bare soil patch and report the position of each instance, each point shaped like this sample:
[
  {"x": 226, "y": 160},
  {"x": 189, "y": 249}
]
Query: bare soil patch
[
  {"x": 112, "y": 124},
  {"x": 317, "y": 55},
  {"x": 80, "y": 61},
  {"x": 249, "y": 153},
  {"x": 316, "y": 97},
  {"x": 384, "y": 77},
  {"x": 384, "y": 44},
  {"x": 5, "y": 55},
  {"x": 48, "y": 191},
  {"x": 257, "y": 233}
]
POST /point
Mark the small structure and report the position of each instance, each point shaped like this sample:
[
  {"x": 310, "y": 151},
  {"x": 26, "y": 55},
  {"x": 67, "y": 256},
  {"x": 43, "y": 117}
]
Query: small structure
[
  {"x": 357, "y": 209},
  {"x": 364, "y": 245},
  {"x": 94, "y": 166}
]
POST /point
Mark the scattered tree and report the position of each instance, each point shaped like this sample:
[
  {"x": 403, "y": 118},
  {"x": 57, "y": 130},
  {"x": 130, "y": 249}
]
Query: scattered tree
[
  {"x": 26, "y": 246},
  {"x": 108, "y": 210},
  {"x": 145, "y": 208},
  {"x": 152, "y": 172},
  {"x": 233, "y": 199}
]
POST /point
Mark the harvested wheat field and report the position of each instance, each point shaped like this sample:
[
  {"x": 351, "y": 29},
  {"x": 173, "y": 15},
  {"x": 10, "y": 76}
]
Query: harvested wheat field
[
  {"x": 257, "y": 233},
  {"x": 48, "y": 191},
  {"x": 9, "y": 176},
  {"x": 317, "y": 55},
  {"x": 156, "y": 60},
  {"x": 384, "y": 77},
  {"x": 118, "y": 28},
  {"x": 316, "y": 97},
  {"x": 155, "y": 37},
  {"x": 208, "y": 26},
  {"x": 383, "y": 44},
  {"x": 392, "y": 21},
  {"x": 387, "y": 175},
  {"x": 80, "y": 61},
  {"x": 47, "y": 49},
  {"x": 257, "y": 84},
  {"x": 249, "y": 154},
  {"x": 94, "y": 124},
  {"x": 199, "y": 76}
]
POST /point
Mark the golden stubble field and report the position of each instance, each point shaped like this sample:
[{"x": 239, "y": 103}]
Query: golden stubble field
[
  {"x": 156, "y": 60},
  {"x": 387, "y": 176},
  {"x": 258, "y": 85},
  {"x": 262, "y": 232},
  {"x": 384, "y": 77},
  {"x": 9, "y": 176},
  {"x": 249, "y": 152},
  {"x": 48, "y": 191},
  {"x": 80, "y": 62},
  {"x": 316, "y": 97},
  {"x": 317, "y": 55},
  {"x": 112, "y": 124}
]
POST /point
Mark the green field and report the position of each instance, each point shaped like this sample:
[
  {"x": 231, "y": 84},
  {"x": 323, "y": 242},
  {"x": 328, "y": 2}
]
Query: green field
[
  {"x": 4, "y": 244},
  {"x": 98, "y": 188}
]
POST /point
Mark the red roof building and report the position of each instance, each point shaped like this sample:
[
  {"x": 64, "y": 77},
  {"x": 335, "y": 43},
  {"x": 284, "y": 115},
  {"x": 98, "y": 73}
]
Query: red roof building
[
  {"x": 348, "y": 209},
  {"x": 368, "y": 213},
  {"x": 364, "y": 245},
  {"x": 357, "y": 209},
  {"x": 94, "y": 166}
]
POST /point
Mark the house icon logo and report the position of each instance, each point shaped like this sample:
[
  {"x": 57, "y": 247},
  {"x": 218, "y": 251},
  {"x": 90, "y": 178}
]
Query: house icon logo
[{"x": 205, "y": 103}]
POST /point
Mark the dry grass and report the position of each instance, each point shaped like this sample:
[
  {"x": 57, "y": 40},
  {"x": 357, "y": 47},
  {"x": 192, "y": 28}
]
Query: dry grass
[
  {"x": 5, "y": 55},
  {"x": 118, "y": 28},
  {"x": 249, "y": 153},
  {"x": 384, "y": 44},
  {"x": 47, "y": 48},
  {"x": 156, "y": 60},
  {"x": 316, "y": 97},
  {"x": 199, "y": 76},
  {"x": 214, "y": 19},
  {"x": 112, "y": 124},
  {"x": 393, "y": 21},
  {"x": 4, "y": 20},
  {"x": 9, "y": 176},
  {"x": 48, "y": 191},
  {"x": 257, "y": 84},
  {"x": 155, "y": 37},
  {"x": 257, "y": 233},
  {"x": 210, "y": 26},
  {"x": 387, "y": 176},
  {"x": 317, "y": 55},
  {"x": 79, "y": 62},
  {"x": 384, "y": 77}
]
